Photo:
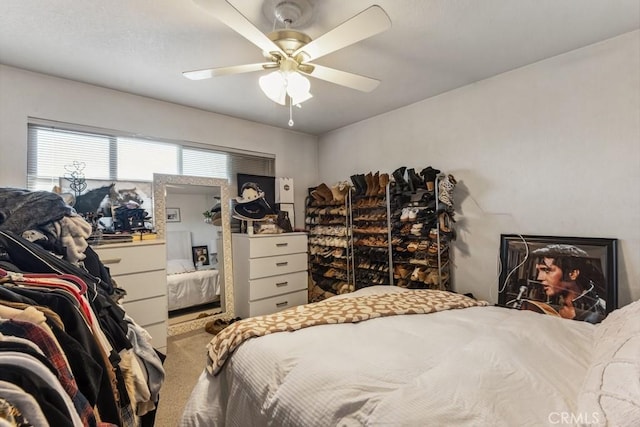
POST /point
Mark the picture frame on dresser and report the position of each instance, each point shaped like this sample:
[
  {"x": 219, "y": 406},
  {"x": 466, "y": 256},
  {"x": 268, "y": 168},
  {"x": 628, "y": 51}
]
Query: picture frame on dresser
[
  {"x": 200, "y": 256},
  {"x": 569, "y": 277}
]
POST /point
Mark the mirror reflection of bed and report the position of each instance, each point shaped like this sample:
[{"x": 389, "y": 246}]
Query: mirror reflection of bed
[
  {"x": 193, "y": 275},
  {"x": 191, "y": 288}
]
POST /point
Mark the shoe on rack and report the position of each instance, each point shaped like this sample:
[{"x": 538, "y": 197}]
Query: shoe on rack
[
  {"x": 384, "y": 181},
  {"x": 433, "y": 233},
  {"x": 356, "y": 184},
  {"x": 433, "y": 248},
  {"x": 429, "y": 175},
  {"x": 404, "y": 216},
  {"x": 419, "y": 274},
  {"x": 398, "y": 177},
  {"x": 415, "y": 182},
  {"x": 369, "y": 183},
  {"x": 339, "y": 191},
  {"x": 322, "y": 193},
  {"x": 325, "y": 192},
  {"x": 363, "y": 183},
  {"x": 414, "y": 275},
  {"x": 444, "y": 221},
  {"x": 375, "y": 184},
  {"x": 432, "y": 278},
  {"x": 317, "y": 196},
  {"x": 428, "y": 199},
  {"x": 445, "y": 190}
]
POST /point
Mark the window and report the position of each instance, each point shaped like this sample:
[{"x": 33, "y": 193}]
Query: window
[{"x": 57, "y": 151}]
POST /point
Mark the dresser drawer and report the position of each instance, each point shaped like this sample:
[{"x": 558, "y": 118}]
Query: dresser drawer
[
  {"x": 148, "y": 311},
  {"x": 158, "y": 332},
  {"x": 276, "y": 285},
  {"x": 132, "y": 259},
  {"x": 271, "y": 305},
  {"x": 277, "y": 245},
  {"x": 276, "y": 265},
  {"x": 143, "y": 285}
]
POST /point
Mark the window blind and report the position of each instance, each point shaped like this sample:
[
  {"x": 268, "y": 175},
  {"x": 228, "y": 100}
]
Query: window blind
[{"x": 55, "y": 152}]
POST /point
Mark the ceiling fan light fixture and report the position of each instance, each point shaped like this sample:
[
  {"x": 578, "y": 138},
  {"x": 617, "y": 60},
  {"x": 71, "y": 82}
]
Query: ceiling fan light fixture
[
  {"x": 298, "y": 88},
  {"x": 278, "y": 84},
  {"x": 274, "y": 86}
]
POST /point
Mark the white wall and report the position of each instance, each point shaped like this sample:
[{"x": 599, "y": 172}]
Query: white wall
[
  {"x": 25, "y": 94},
  {"x": 549, "y": 149},
  {"x": 191, "y": 219}
]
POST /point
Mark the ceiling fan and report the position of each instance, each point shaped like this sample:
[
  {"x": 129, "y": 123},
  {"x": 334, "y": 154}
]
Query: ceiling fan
[{"x": 290, "y": 53}]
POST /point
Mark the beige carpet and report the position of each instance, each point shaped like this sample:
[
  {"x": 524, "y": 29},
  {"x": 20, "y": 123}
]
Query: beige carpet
[{"x": 186, "y": 355}]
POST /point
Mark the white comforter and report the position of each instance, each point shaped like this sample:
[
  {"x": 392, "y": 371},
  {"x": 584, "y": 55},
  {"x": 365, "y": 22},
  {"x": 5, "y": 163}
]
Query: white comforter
[
  {"x": 192, "y": 288},
  {"x": 477, "y": 366}
]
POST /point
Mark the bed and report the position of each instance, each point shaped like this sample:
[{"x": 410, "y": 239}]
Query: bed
[
  {"x": 187, "y": 286},
  {"x": 475, "y": 365}
]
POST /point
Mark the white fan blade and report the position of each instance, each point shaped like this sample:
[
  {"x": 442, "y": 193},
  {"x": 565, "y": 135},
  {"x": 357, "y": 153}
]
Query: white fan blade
[
  {"x": 353, "y": 81},
  {"x": 230, "y": 16},
  {"x": 367, "y": 23},
  {"x": 223, "y": 71}
]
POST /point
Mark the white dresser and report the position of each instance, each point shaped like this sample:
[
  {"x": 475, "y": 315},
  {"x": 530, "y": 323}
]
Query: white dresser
[
  {"x": 269, "y": 272},
  {"x": 140, "y": 269}
]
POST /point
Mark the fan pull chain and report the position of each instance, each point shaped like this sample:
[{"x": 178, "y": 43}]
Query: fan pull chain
[{"x": 290, "y": 112}]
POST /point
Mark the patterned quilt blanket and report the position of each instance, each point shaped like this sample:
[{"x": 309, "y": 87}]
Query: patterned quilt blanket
[{"x": 330, "y": 311}]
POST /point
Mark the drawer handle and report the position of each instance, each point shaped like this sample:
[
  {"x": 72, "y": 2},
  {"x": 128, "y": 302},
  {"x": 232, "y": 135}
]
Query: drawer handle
[
  {"x": 282, "y": 245},
  {"x": 282, "y": 264},
  {"x": 112, "y": 261},
  {"x": 282, "y": 304},
  {"x": 282, "y": 284}
]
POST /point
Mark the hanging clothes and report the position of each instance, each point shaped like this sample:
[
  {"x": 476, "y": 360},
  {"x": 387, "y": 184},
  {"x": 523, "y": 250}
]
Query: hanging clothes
[
  {"x": 57, "y": 295},
  {"x": 95, "y": 333}
]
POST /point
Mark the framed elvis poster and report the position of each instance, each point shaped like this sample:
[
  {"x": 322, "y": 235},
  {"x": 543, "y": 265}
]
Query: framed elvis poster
[{"x": 569, "y": 277}]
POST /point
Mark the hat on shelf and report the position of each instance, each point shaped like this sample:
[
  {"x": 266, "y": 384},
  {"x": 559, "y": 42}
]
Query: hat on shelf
[
  {"x": 254, "y": 211},
  {"x": 250, "y": 192},
  {"x": 251, "y": 205},
  {"x": 216, "y": 219},
  {"x": 214, "y": 215}
]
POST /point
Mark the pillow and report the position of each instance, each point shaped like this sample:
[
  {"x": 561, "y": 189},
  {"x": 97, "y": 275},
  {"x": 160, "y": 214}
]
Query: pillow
[
  {"x": 610, "y": 394},
  {"x": 177, "y": 266}
]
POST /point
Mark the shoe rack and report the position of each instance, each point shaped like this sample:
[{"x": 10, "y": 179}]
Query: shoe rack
[
  {"x": 385, "y": 232},
  {"x": 372, "y": 260},
  {"x": 327, "y": 221},
  {"x": 421, "y": 230}
]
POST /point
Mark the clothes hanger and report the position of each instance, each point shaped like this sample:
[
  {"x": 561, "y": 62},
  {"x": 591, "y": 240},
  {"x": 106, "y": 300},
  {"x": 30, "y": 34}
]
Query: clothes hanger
[{"x": 79, "y": 284}]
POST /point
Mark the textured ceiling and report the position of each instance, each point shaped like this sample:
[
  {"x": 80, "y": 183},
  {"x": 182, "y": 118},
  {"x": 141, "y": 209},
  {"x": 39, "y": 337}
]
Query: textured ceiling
[{"x": 142, "y": 47}]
